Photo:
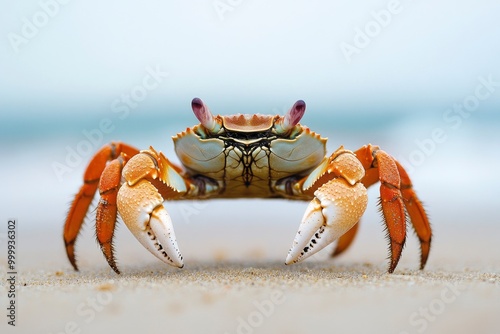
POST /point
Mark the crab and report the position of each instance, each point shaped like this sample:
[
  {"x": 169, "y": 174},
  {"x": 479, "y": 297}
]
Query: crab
[{"x": 247, "y": 156}]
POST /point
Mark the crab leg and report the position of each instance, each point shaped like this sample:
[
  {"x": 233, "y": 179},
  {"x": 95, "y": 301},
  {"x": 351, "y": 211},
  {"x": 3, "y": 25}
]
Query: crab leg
[
  {"x": 392, "y": 205},
  {"x": 396, "y": 195},
  {"x": 417, "y": 214},
  {"x": 150, "y": 179},
  {"x": 345, "y": 240},
  {"x": 107, "y": 210},
  {"x": 83, "y": 198},
  {"x": 339, "y": 202}
]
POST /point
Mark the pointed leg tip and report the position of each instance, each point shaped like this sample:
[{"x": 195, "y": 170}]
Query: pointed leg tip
[
  {"x": 70, "y": 253},
  {"x": 72, "y": 260},
  {"x": 113, "y": 266},
  {"x": 108, "y": 252},
  {"x": 424, "y": 253},
  {"x": 336, "y": 252},
  {"x": 423, "y": 262},
  {"x": 393, "y": 265}
]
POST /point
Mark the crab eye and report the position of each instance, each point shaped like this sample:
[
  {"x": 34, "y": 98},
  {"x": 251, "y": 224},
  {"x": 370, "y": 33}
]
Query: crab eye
[
  {"x": 204, "y": 115},
  {"x": 291, "y": 118}
]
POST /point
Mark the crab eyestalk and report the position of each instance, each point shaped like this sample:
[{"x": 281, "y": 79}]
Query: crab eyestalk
[
  {"x": 201, "y": 111},
  {"x": 291, "y": 118}
]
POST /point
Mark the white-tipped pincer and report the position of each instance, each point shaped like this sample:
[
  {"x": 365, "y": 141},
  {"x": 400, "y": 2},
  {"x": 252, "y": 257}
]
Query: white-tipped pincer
[
  {"x": 336, "y": 208},
  {"x": 142, "y": 211}
]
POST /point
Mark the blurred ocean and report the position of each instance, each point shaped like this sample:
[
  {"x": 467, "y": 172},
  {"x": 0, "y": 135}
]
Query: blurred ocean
[{"x": 457, "y": 179}]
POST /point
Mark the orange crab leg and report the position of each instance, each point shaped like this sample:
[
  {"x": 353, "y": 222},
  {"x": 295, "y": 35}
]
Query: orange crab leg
[
  {"x": 391, "y": 201},
  {"x": 83, "y": 198},
  {"x": 396, "y": 195},
  {"x": 380, "y": 166},
  {"x": 107, "y": 210},
  {"x": 345, "y": 240},
  {"x": 417, "y": 214}
]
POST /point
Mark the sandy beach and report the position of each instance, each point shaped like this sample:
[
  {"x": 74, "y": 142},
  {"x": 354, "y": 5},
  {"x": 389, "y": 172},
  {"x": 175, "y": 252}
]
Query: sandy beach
[{"x": 243, "y": 286}]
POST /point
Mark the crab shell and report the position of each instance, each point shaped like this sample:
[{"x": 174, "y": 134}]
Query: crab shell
[{"x": 248, "y": 154}]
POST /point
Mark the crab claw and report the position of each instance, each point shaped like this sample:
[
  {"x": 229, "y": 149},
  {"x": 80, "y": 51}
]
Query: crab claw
[
  {"x": 142, "y": 210},
  {"x": 201, "y": 111},
  {"x": 335, "y": 209},
  {"x": 291, "y": 118}
]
